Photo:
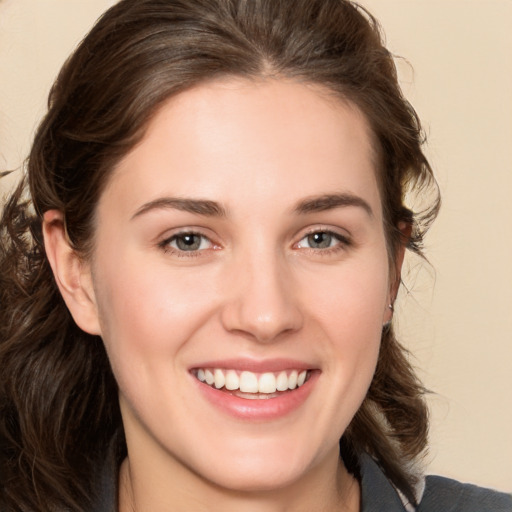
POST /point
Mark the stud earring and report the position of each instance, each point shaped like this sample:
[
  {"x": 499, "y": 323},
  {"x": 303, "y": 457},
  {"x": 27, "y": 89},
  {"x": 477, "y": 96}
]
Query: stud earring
[{"x": 387, "y": 324}]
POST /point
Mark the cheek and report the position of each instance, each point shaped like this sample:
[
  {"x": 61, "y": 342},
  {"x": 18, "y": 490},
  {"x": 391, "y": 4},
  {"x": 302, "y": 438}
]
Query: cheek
[
  {"x": 350, "y": 318},
  {"x": 353, "y": 298},
  {"x": 148, "y": 311}
]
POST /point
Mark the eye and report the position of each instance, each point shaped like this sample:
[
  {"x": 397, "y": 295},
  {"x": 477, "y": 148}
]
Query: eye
[
  {"x": 187, "y": 242},
  {"x": 322, "y": 240}
]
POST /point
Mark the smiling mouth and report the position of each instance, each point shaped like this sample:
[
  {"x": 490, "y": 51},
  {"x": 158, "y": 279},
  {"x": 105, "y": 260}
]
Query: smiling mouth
[{"x": 255, "y": 386}]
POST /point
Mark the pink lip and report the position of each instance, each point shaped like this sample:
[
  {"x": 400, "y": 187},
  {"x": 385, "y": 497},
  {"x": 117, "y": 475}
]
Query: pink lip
[
  {"x": 256, "y": 366},
  {"x": 265, "y": 409}
]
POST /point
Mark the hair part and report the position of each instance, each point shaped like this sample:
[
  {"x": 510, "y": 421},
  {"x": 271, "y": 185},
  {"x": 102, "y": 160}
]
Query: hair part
[{"x": 58, "y": 398}]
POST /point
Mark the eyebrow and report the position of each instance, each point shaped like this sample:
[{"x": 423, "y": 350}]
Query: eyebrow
[
  {"x": 213, "y": 209},
  {"x": 331, "y": 201},
  {"x": 197, "y": 206}
]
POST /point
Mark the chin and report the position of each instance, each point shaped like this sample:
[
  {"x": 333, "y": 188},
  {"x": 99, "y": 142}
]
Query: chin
[
  {"x": 263, "y": 467},
  {"x": 254, "y": 477}
]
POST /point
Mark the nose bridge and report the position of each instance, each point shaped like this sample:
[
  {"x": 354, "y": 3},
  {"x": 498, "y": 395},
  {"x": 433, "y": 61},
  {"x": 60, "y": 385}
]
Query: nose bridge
[{"x": 262, "y": 303}]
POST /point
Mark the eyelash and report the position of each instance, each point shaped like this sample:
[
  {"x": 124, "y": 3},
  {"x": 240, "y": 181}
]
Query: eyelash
[
  {"x": 166, "y": 247},
  {"x": 342, "y": 243}
]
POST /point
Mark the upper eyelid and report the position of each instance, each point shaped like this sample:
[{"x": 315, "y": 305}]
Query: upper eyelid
[
  {"x": 338, "y": 232},
  {"x": 165, "y": 241},
  {"x": 183, "y": 232},
  {"x": 169, "y": 234},
  {"x": 342, "y": 234},
  {"x": 344, "y": 242}
]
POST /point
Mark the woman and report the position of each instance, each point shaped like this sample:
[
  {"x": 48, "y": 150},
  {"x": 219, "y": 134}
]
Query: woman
[{"x": 198, "y": 315}]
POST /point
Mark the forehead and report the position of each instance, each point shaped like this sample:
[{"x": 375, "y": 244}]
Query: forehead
[{"x": 250, "y": 139}]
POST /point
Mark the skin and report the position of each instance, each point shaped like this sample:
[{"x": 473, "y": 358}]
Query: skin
[{"x": 256, "y": 288}]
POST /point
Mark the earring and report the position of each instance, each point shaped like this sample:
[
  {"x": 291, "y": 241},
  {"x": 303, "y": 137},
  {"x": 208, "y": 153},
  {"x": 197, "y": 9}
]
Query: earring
[{"x": 388, "y": 323}]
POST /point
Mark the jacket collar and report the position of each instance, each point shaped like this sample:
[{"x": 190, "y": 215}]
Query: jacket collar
[{"x": 377, "y": 492}]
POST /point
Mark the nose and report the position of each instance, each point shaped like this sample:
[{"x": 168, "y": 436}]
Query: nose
[{"x": 263, "y": 303}]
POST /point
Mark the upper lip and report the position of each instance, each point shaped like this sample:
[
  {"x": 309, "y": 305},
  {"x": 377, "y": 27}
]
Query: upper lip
[{"x": 256, "y": 366}]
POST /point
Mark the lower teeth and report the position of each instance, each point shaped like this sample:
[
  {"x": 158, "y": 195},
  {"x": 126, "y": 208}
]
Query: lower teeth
[{"x": 255, "y": 396}]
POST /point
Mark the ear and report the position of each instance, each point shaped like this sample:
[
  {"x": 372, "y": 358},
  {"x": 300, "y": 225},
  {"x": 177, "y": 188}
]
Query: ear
[
  {"x": 72, "y": 274},
  {"x": 406, "y": 231}
]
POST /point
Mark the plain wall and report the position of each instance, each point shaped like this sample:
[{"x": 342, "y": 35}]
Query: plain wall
[{"x": 457, "y": 320}]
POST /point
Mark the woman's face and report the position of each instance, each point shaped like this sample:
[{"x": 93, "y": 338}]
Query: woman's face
[{"x": 240, "y": 248}]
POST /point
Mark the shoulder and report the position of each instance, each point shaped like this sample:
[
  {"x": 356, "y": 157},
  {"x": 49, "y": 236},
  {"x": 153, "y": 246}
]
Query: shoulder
[
  {"x": 446, "y": 495},
  {"x": 435, "y": 494}
]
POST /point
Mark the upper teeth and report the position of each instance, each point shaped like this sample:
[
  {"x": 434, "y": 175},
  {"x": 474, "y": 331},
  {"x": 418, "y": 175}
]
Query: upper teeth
[{"x": 249, "y": 382}]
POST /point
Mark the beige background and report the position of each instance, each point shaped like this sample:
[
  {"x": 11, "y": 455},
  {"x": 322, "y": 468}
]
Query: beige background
[{"x": 458, "y": 320}]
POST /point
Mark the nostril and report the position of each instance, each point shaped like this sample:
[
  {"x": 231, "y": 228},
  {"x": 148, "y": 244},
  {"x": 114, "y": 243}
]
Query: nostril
[
  {"x": 263, "y": 322},
  {"x": 261, "y": 303}
]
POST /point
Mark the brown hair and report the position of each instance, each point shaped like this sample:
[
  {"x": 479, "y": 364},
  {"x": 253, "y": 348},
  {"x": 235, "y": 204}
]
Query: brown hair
[{"x": 58, "y": 398}]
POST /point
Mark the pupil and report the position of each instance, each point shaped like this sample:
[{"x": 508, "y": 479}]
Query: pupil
[
  {"x": 188, "y": 242},
  {"x": 320, "y": 240}
]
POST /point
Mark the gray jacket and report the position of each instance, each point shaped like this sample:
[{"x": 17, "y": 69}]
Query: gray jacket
[{"x": 439, "y": 494}]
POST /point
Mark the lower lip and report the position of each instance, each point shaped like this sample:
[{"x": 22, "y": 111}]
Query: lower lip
[{"x": 259, "y": 409}]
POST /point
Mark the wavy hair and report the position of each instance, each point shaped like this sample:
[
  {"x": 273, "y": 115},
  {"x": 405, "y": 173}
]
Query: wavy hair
[{"x": 59, "y": 409}]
